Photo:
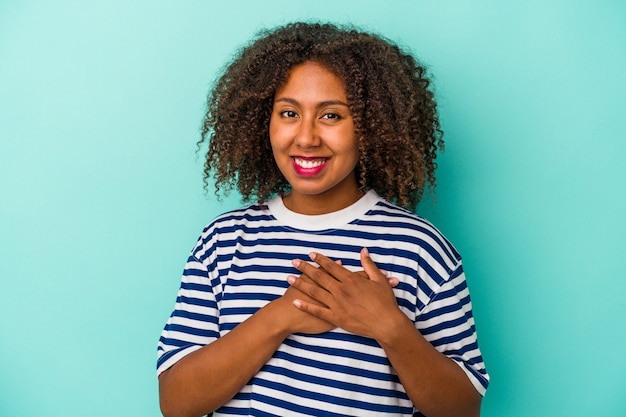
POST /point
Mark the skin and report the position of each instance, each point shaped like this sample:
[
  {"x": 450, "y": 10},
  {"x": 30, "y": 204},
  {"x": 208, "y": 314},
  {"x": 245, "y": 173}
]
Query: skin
[{"x": 311, "y": 123}]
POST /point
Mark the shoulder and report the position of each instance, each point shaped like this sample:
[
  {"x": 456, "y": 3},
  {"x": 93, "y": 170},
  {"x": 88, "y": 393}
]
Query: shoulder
[
  {"x": 401, "y": 222},
  {"x": 249, "y": 214},
  {"x": 226, "y": 226}
]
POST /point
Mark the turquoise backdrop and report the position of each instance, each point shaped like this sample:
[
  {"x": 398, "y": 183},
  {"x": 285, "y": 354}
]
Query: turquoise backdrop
[{"x": 101, "y": 194}]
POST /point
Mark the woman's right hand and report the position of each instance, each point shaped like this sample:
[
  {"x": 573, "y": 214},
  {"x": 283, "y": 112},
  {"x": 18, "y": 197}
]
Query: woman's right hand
[{"x": 294, "y": 320}]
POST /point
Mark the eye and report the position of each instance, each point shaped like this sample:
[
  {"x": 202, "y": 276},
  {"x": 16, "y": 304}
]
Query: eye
[
  {"x": 331, "y": 116},
  {"x": 288, "y": 114}
]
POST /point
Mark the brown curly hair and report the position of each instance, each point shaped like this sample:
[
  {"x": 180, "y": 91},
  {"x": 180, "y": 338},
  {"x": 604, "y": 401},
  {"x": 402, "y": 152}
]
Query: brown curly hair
[{"x": 388, "y": 92}]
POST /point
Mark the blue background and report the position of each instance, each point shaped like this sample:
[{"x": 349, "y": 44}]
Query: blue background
[{"x": 101, "y": 194}]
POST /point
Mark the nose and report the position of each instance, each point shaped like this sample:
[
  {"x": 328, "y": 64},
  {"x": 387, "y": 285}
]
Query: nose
[{"x": 308, "y": 135}]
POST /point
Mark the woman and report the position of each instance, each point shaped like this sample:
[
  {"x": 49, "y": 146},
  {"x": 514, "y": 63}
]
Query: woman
[{"x": 317, "y": 123}]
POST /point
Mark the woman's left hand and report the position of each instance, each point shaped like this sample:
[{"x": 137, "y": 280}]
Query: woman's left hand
[{"x": 361, "y": 305}]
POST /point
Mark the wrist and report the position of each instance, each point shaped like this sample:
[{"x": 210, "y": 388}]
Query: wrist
[
  {"x": 394, "y": 330},
  {"x": 274, "y": 313}
]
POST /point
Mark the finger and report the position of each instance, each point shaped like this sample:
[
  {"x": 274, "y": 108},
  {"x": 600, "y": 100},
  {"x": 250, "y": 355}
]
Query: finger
[
  {"x": 321, "y": 312},
  {"x": 321, "y": 276},
  {"x": 370, "y": 267},
  {"x": 338, "y": 262},
  {"x": 334, "y": 269},
  {"x": 304, "y": 277},
  {"x": 310, "y": 288},
  {"x": 393, "y": 281}
]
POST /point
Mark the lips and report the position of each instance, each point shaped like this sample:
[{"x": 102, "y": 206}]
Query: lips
[{"x": 306, "y": 166}]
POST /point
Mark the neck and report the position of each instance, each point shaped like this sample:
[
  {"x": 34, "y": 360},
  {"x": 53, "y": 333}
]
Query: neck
[{"x": 319, "y": 203}]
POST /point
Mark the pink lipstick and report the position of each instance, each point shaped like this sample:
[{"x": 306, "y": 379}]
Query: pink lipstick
[{"x": 308, "y": 167}]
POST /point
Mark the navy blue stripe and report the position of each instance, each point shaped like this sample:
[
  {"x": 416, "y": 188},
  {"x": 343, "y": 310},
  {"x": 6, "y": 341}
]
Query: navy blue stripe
[
  {"x": 227, "y": 327},
  {"x": 264, "y": 268},
  {"x": 458, "y": 302},
  {"x": 242, "y": 395},
  {"x": 241, "y": 412},
  {"x": 328, "y": 399},
  {"x": 345, "y": 337},
  {"x": 291, "y": 407},
  {"x": 425, "y": 288},
  {"x": 346, "y": 353},
  {"x": 258, "y": 252},
  {"x": 180, "y": 344},
  {"x": 453, "y": 338},
  {"x": 349, "y": 370},
  {"x": 444, "y": 325},
  {"x": 256, "y": 296},
  {"x": 402, "y": 302},
  {"x": 345, "y": 402},
  {"x": 432, "y": 273},
  {"x": 196, "y": 301},
  {"x": 458, "y": 306},
  {"x": 225, "y": 312},
  {"x": 194, "y": 316},
  {"x": 262, "y": 282},
  {"x": 439, "y": 311},
  {"x": 479, "y": 374},
  {"x": 344, "y": 385},
  {"x": 190, "y": 330},
  {"x": 194, "y": 286},
  {"x": 194, "y": 272},
  {"x": 166, "y": 355},
  {"x": 462, "y": 352}
]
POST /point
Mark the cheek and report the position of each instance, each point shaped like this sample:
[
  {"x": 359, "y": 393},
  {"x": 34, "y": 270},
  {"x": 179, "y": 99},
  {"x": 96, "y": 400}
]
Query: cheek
[
  {"x": 274, "y": 138},
  {"x": 351, "y": 147},
  {"x": 278, "y": 135}
]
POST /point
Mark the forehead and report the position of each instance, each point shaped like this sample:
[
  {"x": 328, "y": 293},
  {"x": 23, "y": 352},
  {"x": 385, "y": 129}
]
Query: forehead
[{"x": 312, "y": 80}]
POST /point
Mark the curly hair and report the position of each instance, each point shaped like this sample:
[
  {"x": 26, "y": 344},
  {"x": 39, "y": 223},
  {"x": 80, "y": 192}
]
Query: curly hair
[{"x": 389, "y": 96}]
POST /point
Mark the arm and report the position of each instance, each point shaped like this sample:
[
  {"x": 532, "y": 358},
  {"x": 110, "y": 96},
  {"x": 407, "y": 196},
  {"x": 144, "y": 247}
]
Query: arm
[
  {"x": 436, "y": 385},
  {"x": 207, "y": 378}
]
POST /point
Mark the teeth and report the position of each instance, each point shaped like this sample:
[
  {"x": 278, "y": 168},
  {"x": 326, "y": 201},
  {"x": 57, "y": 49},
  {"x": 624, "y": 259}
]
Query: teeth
[{"x": 308, "y": 163}]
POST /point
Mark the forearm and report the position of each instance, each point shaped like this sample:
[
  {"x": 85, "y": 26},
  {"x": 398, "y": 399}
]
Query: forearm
[
  {"x": 207, "y": 378},
  {"x": 435, "y": 384}
]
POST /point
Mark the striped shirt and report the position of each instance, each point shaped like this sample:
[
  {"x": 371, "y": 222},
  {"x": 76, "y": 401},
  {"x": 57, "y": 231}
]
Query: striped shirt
[{"x": 241, "y": 262}]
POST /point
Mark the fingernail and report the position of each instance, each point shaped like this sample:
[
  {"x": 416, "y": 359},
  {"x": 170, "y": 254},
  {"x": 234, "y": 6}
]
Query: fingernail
[
  {"x": 297, "y": 303},
  {"x": 365, "y": 252},
  {"x": 296, "y": 262},
  {"x": 291, "y": 279},
  {"x": 312, "y": 255}
]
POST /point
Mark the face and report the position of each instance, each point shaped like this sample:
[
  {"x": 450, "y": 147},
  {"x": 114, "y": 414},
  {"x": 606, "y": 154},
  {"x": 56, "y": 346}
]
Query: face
[{"x": 313, "y": 140}]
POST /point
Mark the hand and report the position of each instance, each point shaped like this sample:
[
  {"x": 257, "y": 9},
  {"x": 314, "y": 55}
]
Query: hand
[
  {"x": 358, "y": 304},
  {"x": 295, "y": 320}
]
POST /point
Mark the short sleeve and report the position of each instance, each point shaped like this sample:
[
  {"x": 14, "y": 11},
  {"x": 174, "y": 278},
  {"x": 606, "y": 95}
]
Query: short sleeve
[
  {"x": 447, "y": 323},
  {"x": 194, "y": 321}
]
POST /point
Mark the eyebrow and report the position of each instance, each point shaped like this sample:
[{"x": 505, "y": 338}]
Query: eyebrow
[{"x": 321, "y": 104}]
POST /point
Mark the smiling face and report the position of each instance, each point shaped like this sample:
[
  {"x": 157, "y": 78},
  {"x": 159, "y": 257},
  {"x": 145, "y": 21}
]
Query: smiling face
[{"x": 313, "y": 141}]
